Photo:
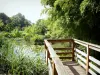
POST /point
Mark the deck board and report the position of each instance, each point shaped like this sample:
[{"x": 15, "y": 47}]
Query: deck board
[{"x": 74, "y": 68}]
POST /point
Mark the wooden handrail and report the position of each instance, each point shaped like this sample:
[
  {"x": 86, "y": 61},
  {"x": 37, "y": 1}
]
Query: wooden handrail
[
  {"x": 88, "y": 57},
  {"x": 91, "y": 46},
  {"x": 83, "y": 58},
  {"x": 50, "y": 49},
  {"x": 60, "y": 40},
  {"x": 58, "y": 65}
]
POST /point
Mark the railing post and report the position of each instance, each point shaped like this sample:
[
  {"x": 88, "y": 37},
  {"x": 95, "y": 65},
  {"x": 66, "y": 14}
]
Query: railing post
[
  {"x": 87, "y": 64},
  {"x": 73, "y": 51},
  {"x": 54, "y": 69},
  {"x": 47, "y": 55}
]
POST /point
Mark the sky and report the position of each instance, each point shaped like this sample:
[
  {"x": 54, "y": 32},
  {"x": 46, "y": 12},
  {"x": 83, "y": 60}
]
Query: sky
[{"x": 31, "y": 9}]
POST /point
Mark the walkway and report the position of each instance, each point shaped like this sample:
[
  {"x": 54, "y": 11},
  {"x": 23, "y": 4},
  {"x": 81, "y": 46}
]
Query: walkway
[
  {"x": 66, "y": 58},
  {"x": 74, "y": 68}
]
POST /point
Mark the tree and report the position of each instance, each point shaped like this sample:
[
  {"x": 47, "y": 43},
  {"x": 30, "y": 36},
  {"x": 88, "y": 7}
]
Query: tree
[
  {"x": 40, "y": 25},
  {"x": 1, "y": 25},
  {"x": 5, "y": 19},
  {"x": 19, "y": 20},
  {"x": 76, "y": 18}
]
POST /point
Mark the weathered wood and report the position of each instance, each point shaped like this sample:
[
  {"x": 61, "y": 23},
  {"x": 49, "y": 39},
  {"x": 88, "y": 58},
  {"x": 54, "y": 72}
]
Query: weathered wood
[
  {"x": 58, "y": 64},
  {"x": 50, "y": 49},
  {"x": 50, "y": 67},
  {"x": 65, "y": 57},
  {"x": 94, "y": 60},
  {"x": 81, "y": 58},
  {"x": 63, "y": 53},
  {"x": 95, "y": 48},
  {"x": 62, "y": 48},
  {"x": 80, "y": 43},
  {"x": 89, "y": 46},
  {"x": 91, "y": 72},
  {"x": 61, "y": 40},
  {"x": 80, "y": 52},
  {"x": 73, "y": 51},
  {"x": 54, "y": 69},
  {"x": 92, "y": 46},
  {"x": 48, "y": 56},
  {"x": 60, "y": 67},
  {"x": 87, "y": 64},
  {"x": 95, "y": 67},
  {"x": 74, "y": 68},
  {"x": 46, "y": 53},
  {"x": 82, "y": 64}
]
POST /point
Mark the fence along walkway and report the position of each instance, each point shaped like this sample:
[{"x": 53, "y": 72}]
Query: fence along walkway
[{"x": 71, "y": 60}]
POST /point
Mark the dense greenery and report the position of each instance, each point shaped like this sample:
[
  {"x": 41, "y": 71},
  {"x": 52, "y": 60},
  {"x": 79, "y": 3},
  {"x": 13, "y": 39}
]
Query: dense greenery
[
  {"x": 66, "y": 19},
  {"x": 73, "y": 19},
  {"x": 21, "y": 46},
  {"x": 10, "y": 23},
  {"x": 21, "y": 59}
]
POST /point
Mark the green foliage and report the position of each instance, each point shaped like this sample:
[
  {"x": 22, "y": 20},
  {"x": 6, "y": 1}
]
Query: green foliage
[
  {"x": 16, "y": 21},
  {"x": 73, "y": 19},
  {"x": 19, "y": 20},
  {"x": 16, "y": 33},
  {"x": 35, "y": 32},
  {"x": 20, "y": 59},
  {"x": 84, "y": 5},
  {"x": 17, "y": 36},
  {"x": 5, "y": 19},
  {"x": 1, "y": 25}
]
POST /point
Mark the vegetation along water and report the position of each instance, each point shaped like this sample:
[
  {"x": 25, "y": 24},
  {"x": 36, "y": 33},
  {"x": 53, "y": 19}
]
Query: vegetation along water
[{"x": 21, "y": 42}]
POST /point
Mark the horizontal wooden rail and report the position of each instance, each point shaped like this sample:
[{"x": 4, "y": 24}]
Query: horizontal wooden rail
[
  {"x": 88, "y": 62},
  {"x": 64, "y": 53},
  {"x": 61, "y": 40},
  {"x": 50, "y": 49},
  {"x": 88, "y": 59},
  {"x": 91, "y": 46},
  {"x": 65, "y": 57},
  {"x": 58, "y": 65},
  {"x": 62, "y": 48}
]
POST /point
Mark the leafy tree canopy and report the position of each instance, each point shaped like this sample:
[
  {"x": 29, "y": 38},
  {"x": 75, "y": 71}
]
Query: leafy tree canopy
[
  {"x": 10, "y": 23},
  {"x": 73, "y": 18}
]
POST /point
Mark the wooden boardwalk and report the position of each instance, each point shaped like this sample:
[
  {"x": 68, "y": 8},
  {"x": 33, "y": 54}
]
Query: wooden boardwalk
[
  {"x": 69, "y": 59},
  {"x": 74, "y": 68}
]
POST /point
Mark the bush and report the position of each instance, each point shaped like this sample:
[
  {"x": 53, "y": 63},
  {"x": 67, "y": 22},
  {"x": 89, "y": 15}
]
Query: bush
[{"x": 21, "y": 60}]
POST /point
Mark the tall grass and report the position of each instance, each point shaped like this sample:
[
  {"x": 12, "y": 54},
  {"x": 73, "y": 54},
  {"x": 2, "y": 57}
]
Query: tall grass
[{"x": 20, "y": 59}]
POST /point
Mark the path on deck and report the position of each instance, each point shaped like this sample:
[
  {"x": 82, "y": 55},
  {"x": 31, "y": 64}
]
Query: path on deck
[{"x": 74, "y": 68}]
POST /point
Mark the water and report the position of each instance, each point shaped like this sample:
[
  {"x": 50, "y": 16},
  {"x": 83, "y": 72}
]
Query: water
[{"x": 28, "y": 52}]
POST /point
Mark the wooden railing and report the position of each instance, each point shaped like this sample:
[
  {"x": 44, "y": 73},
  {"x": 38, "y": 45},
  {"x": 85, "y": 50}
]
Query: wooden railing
[
  {"x": 88, "y": 62},
  {"x": 55, "y": 65}
]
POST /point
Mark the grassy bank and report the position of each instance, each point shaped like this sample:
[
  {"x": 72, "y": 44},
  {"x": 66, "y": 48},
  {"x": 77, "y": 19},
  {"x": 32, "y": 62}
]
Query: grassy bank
[{"x": 18, "y": 57}]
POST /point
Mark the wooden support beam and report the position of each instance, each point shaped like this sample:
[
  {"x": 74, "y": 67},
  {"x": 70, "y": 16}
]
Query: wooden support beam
[
  {"x": 45, "y": 52},
  {"x": 58, "y": 65},
  {"x": 59, "y": 53},
  {"x": 65, "y": 57},
  {"x": 73, "y": 51},
  {"x": 63, "y": 48},
  {"x": 54, "y": 69},
  {"x": 61, "y": 40},
  {"x": 87, "y": 64}
]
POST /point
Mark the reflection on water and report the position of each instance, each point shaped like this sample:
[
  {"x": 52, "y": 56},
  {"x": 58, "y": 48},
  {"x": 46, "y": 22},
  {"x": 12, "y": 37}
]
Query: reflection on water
[{"x": 28, "y": 52}]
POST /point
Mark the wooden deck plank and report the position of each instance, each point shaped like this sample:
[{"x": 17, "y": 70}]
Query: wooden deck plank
[{"x": 74, "y": 68}]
